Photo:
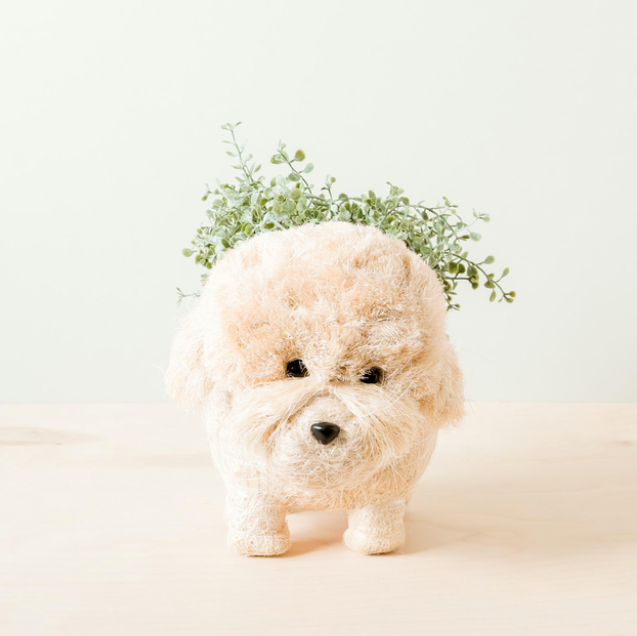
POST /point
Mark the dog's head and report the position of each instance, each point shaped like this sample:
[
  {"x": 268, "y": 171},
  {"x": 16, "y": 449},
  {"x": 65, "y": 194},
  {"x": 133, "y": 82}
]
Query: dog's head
[{"x": 325, "y": 347}]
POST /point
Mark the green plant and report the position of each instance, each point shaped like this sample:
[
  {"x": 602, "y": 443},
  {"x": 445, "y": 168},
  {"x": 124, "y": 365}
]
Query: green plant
[{"x": 253, "y": 205}]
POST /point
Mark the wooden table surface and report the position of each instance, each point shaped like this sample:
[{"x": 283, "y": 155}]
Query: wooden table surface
[{"x": 111, "y": 523}]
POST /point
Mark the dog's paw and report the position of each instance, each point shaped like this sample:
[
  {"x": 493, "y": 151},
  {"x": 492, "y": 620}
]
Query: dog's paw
[
  {"x": 360, "y": 541},
  {"x": 266, "y": 544}
]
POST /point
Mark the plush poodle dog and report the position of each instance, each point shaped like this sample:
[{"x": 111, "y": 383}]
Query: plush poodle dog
[{"x": 319, "y": 359}]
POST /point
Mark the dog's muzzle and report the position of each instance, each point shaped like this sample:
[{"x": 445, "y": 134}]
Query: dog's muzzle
[{"x": 325, "y": 432}]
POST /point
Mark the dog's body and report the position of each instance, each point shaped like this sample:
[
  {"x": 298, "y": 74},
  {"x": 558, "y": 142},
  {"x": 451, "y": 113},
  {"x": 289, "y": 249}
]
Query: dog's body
[{"x": 319, "y": 359}]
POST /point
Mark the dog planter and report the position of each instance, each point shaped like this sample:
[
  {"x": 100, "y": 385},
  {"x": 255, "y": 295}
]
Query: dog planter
[{"x": 319, "y": 360}]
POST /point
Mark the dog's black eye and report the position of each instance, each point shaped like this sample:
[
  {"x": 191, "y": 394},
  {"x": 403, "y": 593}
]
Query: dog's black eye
[
  {"x": 296, "y": 369},
  {"x": 372, "y": 376}
]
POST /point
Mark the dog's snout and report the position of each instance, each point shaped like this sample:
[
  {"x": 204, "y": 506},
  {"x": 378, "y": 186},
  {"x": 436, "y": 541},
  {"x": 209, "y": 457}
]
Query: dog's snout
[{"x": 325, "y": 432}]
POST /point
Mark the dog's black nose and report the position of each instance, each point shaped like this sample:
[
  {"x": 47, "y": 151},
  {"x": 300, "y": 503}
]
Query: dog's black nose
[{"x": 325, "y": 432}]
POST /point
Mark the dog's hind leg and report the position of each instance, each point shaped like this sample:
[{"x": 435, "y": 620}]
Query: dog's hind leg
[
  {"x": 377, "y": 528},
  {"x": 256, "y": 526}
]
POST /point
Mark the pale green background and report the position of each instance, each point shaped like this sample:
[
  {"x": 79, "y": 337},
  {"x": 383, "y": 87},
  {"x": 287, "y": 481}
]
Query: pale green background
[{"x": 110, "y": 128}]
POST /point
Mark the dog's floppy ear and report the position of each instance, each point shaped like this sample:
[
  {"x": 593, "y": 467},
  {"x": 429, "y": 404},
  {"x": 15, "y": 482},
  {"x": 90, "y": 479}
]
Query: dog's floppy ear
[
  {"x": 186, "y": 378},
  {"x": 446, "y": 404}
]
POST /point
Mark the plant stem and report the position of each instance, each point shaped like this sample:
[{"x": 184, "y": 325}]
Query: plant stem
[
  {"x": 241, "y": 161},
  {"x": 307, "y": 185},
  {"x": 495, "y": 282}
]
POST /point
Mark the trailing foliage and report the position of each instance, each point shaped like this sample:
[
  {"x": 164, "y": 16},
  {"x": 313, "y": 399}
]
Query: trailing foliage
[{"x": 254, "y": 205}]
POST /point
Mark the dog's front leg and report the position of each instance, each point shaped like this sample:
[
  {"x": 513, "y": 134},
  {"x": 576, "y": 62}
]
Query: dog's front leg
[
  {"x": 376, "y": 528},
  {"x": 256, "y": 526}
]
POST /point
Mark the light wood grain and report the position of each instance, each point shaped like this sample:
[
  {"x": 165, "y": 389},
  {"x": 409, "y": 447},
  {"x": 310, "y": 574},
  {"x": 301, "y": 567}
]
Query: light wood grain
[{"x": 112, "y": 524}]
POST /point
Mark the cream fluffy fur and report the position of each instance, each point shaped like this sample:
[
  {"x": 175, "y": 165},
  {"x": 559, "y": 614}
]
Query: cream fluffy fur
[{"x": 343, "y": 298}]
